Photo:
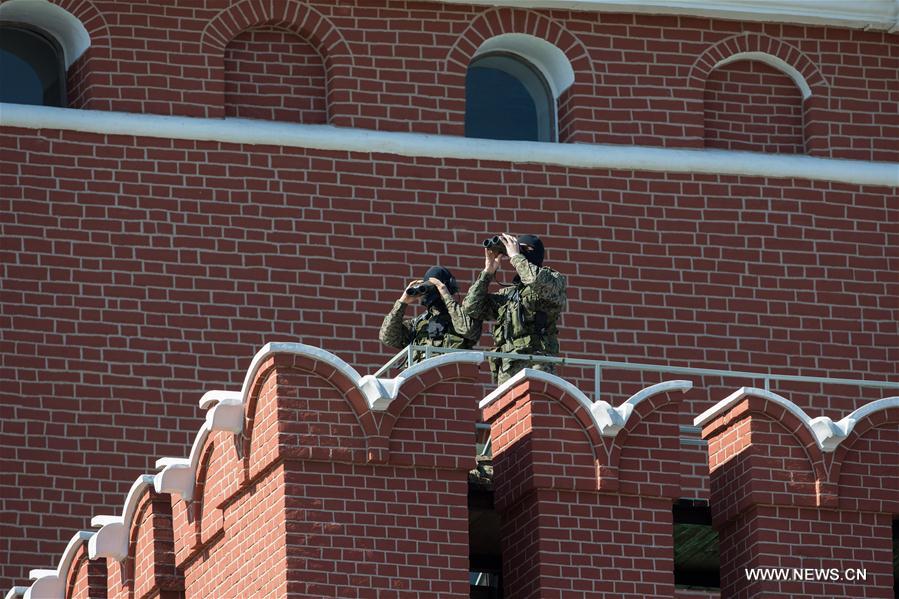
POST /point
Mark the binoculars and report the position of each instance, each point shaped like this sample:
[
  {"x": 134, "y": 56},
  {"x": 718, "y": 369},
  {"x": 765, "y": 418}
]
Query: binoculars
[
  {"x": 495, "y": 245},
  {"x": 420, "y": 289}
]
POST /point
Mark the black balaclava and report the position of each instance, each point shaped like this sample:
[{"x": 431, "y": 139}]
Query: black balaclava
[
  {"x": 432, "y": 297},
  {"x": 534, "y": 256}
]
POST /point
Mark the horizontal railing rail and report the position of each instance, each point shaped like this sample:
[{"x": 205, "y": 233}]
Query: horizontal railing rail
[{"x": 408, "y": 354}]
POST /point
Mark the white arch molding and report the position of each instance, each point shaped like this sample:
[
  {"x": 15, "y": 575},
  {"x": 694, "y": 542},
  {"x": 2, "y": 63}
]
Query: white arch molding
[
  {"x": 546, "y": 57},
  {"x": 774, "y": 62},
  {"x": 68, "y": 30}
]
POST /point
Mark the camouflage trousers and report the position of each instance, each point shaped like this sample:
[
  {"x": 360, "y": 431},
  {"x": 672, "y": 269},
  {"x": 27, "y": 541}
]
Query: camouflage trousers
[{"x": 503, "y": 369}]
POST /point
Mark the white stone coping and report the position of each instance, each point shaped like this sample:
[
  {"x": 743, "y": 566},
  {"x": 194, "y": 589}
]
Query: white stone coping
[
  {"x": 381, "y": 392},
  {"x": 607, "y": 419},
  {"x": 15, "y": 593},
  {"x": 827, "y": 434},
  {"x": 55, "y": 20},
  {"x": 113, "y": 537},
  {"x": 858, "y": 14},
  {"x": 51, "y": 584},
  {"x": 328, "y": 137},
  {"x": 226, "y": 408}
]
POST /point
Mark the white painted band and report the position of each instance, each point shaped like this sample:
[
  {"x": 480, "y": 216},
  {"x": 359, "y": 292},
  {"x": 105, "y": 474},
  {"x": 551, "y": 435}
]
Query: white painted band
[
  {"x": 327, "y": 137},
  {"x": 882, "y": 15}
]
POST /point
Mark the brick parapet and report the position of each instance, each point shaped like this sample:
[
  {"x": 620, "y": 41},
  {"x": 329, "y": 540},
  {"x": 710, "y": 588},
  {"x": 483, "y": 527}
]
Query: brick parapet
[
  {"x": 789, "y": 491},
  {"x": 340, "y": 456},
  {"x": 585, "y": 490},
  {"x": 86, "y": 578},
  {"x": 309, "y": 464}
]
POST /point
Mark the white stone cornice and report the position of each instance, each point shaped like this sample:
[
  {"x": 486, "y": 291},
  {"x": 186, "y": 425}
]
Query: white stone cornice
[
  {"x": 327, "y": 137},
  {"x": 608, "y": 420},
  {"x": 381, "y": 392},
  {"x": 51, "y": 584},
  {"x": 857, "y": 14},
  {"x": 113, "y": 537},
  {"x": 226, "y": 408},
  {"x": 827, "y": 434}
]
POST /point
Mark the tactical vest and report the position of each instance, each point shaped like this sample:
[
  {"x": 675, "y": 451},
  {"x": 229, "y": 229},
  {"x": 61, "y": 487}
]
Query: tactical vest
[
  {"x": 522, "y": 328},
  {"x": 437, "y": 330}
]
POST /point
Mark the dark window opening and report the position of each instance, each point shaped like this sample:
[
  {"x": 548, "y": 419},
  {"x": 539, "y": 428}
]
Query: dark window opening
[
  {"x": 484, "y": 551},
  {"x": 32, "y": 67},
  {"x": 506, "y": 97},
  {"x": 697, "y": 562}
]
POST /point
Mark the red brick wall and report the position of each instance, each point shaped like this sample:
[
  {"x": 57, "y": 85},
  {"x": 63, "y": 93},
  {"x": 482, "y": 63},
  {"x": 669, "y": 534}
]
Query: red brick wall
[
  {"x": 583, "y": 513},
  {"x": 274, "y": 75},
  {"x": 779, "y": 501},
  {"x": 327, "y": 497},
  {"x": 139, "y": 273},
  {"x": 400, "y": 66},
  {"x": 752, "y": 106},
  {"x": 251, "y": 560},
  {"x": 86, "y": 578},
  {"x": 790, "y": 537}
]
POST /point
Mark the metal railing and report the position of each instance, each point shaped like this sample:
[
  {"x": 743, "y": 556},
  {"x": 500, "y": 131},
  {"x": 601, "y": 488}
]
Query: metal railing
[{"x": 408, "y": 353}]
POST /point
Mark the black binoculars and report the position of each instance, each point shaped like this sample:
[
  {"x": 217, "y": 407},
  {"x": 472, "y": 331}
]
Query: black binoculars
[
  {"x": 495, "y": 245},
  {"x": 420, "y": 289}
]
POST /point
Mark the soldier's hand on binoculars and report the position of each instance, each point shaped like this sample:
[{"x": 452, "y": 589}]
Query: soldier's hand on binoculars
[
  {"x": 491, "y": 261},
  {"x": 438, "y": 284},
  {"x": 511, "y": 243},
  {"x": 406, "y": 298}
]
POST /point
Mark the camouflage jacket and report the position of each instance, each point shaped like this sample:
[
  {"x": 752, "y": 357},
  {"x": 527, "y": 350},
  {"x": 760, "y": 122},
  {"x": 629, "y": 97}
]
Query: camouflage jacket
[
  {"x": 526, "y": 313},
  {"x": 440, "y": 329}
]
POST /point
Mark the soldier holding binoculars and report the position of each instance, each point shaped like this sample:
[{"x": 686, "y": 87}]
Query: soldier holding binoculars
[
  {"x": 444, "y": 324},
  {"x": 526, "y": 312}
]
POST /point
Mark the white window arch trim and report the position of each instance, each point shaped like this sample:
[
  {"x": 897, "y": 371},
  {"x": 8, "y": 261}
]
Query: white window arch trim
[
  {"x": 68, "y": 30},
  {"x": 544, "y": 56},
  {"x": 774, "y": 62}
]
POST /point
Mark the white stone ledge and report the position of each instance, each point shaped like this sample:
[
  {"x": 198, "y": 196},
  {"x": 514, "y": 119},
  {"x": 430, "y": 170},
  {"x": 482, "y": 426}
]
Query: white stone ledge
[
  {"x": 51, "y": 584},
  {"x": 827, "y": 434},
  {"x": 607, "y": 419},
  {"x": 113, "y": 537},
  {"x": 327, "y": 137},
  {"x": 858, "y": 14},
  {"x": 226, "y": 408}
]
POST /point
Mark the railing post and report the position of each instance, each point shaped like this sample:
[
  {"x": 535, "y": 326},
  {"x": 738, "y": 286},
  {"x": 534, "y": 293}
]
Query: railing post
[
  {"x": 409, "y": 353},
  {"x": 427, "y": 352},
  {"x": 597, "y": 379}
]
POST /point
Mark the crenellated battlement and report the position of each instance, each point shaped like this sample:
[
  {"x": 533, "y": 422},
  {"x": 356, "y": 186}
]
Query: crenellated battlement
[{"x": 312, "y": 478}]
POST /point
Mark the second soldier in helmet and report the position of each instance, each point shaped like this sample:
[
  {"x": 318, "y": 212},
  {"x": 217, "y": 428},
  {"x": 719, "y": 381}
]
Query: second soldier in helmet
[{"x": 443, "y": 324}]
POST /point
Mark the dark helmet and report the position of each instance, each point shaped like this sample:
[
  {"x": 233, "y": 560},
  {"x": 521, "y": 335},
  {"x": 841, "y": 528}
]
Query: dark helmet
[{"x": 432, "y": 297}]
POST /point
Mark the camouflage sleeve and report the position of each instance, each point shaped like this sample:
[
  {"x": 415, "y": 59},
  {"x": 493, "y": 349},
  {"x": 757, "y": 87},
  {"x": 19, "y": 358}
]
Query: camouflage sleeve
[
  {"x": 394, "y": 332},
  {"x": 549, "y": 284},
  {"x": 463, "y": 324},
  {"x": 478, "y": 304}
]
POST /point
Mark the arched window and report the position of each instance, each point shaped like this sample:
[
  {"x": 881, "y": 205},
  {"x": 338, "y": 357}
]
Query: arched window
[
  {"x": 32, "y": 66},
  {"x": 507, "y": 97}
]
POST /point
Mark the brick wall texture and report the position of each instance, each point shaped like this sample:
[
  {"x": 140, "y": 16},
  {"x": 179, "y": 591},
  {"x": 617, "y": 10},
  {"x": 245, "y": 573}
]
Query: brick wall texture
[
  {"x": 139, "y": 273},
  {"x": 752, "y": 106}
]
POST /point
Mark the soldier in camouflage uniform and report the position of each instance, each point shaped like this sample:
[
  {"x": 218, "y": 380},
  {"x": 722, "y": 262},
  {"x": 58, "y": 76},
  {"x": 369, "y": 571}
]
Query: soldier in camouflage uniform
[
  {"x": 442, "y": 325},
  {"x": 526, "y": 313}
]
